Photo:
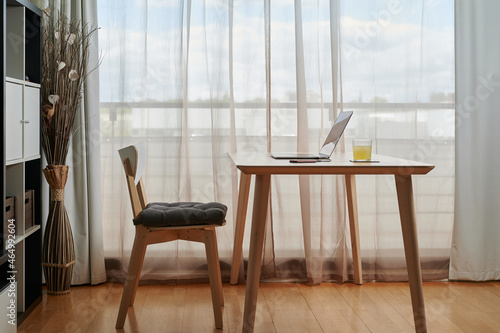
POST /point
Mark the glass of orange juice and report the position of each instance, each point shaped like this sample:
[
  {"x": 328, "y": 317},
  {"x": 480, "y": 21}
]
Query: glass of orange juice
[{"x": 362, "y": 150}]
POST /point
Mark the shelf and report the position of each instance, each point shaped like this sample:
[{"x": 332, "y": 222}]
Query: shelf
[
  {"x": 22, "y": 82},
  {"x": 3, "y": 257},
  {"x": 27, "y": 233},
  {"x": 13, "y": 162},
  {"x": 32, "y": 84},
  {"x": 21, "y": 160},
  {"x": 31, "y": 158},
  {"x": 14, "y": 80}
]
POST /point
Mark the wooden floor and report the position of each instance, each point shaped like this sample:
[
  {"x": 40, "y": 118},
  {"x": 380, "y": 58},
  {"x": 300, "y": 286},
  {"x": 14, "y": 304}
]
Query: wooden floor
[{"x": 282, "y": 307}]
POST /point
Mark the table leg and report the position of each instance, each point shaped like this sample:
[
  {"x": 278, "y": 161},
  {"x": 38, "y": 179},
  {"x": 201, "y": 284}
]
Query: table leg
[
  {"x": 409, "y": 228},
  {"x": 352, "y": 207},
  {"x": 261, "y": 199},
  {"x": 241, "y": 213}
]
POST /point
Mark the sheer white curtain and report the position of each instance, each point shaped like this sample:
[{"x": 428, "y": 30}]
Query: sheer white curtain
[
  {"x": 475, "y": 251},
  {"x": 398, "y": 74},
  {"x": 83, "y": 189},
  {"x": 197, "y": 79}
]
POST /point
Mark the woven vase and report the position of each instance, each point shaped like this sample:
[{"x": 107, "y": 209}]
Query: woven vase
[{"x": 58, "y": 250}]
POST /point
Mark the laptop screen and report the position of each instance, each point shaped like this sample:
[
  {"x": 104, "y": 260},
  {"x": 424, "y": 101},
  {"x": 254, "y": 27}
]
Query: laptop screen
[{"x": 335, "y": 133}]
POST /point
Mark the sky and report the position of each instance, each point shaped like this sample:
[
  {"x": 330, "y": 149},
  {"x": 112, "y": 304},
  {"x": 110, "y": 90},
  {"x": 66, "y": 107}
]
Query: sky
[{"x": 394, "y": 50}]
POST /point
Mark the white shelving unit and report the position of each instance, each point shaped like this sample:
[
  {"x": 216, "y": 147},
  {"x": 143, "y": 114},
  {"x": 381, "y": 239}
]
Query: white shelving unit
[{"x": 21, "y": 72}]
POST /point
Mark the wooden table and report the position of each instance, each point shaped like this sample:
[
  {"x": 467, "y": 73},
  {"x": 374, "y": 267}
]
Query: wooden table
[{"x": 263, "y": 166}]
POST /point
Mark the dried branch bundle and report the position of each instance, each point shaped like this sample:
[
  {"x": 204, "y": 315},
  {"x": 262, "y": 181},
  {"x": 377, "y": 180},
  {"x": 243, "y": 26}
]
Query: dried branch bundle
[{"x": 65, "y": 53}]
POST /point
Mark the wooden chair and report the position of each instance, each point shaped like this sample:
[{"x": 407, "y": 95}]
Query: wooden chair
[{"x": 164, "y": 222}]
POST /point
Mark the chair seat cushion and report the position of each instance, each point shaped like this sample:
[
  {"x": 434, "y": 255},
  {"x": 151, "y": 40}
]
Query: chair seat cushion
[{"x": 162, "y": 214}]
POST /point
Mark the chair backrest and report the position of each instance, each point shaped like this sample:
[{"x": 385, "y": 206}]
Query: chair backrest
[{"x": 133, "y": 159}]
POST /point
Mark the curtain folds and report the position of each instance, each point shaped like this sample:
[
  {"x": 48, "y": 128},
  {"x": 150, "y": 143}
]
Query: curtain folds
[
  {"x": 83, "y": 189},
  {"x": 197, "y": 79},
  {"x": 475, "y": 252}
]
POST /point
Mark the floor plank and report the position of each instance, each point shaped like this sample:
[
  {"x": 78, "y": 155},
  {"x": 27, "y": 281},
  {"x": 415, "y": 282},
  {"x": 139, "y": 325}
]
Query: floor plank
[
  {"x": 281, "y": 307},
  {"x": 448, "y": 302}
]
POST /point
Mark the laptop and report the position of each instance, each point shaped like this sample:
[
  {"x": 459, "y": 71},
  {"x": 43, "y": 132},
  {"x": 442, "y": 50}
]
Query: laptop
[{"x": 330, "y": 142}]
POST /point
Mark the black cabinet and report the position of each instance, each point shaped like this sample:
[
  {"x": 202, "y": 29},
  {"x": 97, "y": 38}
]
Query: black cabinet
[{"x": 21, "y": 236}]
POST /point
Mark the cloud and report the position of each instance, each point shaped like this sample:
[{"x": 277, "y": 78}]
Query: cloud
[{"x": 401, "y": 62}]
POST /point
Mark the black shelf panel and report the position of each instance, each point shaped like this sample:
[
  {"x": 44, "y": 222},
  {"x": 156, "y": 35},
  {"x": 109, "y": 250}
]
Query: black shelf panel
[
  {"x": 3, "y": 275},
  {"x": 3, "y": 257},
  {"x": 32, "y": 267},
  {"x": 33, "y": 181},
  {"x": 33, "y": 47}
]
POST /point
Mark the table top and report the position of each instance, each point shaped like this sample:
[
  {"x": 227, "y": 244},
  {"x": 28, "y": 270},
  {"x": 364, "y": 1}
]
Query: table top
[{"x": 261, "y": 163}]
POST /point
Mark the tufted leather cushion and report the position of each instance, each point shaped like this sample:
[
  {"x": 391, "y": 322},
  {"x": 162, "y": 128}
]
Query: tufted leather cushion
[{"x": 162, "y": 214}]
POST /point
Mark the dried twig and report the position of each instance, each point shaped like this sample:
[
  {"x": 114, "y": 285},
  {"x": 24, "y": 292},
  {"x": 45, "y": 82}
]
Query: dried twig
[{"x": 65, "y": 46}]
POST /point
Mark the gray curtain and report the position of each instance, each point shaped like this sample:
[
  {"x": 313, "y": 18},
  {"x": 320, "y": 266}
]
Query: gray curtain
[{"x": 83, "y": 189}]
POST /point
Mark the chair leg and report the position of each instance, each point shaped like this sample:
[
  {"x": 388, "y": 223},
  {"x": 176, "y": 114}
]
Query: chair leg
[
  {"x": 134, "y": 270},
  {"x": 214, "y": 275}
]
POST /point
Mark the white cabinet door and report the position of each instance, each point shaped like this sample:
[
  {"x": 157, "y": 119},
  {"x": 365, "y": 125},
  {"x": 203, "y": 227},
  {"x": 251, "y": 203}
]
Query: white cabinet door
[
  {"x": 13, "y": 121},
  {"x": 31, "y": 122}
]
